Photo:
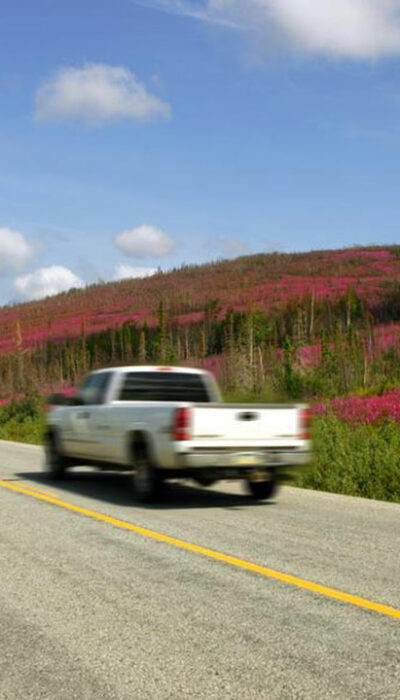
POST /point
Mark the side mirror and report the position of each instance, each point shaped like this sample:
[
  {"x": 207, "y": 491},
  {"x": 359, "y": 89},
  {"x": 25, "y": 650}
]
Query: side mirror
[
  {"x": 63, "y": 400},
  {"x": 56, "y": 400},
  {"x": 74, "y": 401}
]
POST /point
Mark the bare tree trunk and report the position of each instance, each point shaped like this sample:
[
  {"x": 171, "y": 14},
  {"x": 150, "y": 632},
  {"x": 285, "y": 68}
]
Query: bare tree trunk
[
  {"x": 186, "y": 346},
  {"x": 142, "y": 347},
  {"x": 312, "y": 314},
  {"x": 261, "y": 367}
]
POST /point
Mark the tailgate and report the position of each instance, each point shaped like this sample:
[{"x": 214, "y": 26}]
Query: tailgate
[{"x": 246, "y": 423}]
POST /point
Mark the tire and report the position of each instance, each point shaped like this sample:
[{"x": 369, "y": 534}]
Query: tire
[
  {"x": 56, "y": 464},
  {"x": 262, "y": 490},
  {"x": 147, "y": 481}
]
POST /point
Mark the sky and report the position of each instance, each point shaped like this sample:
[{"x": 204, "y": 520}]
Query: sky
[{"x": 144, "y": 134}]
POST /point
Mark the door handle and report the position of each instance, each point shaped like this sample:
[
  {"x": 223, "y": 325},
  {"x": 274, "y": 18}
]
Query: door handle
[{"x": 84, "y": 414}]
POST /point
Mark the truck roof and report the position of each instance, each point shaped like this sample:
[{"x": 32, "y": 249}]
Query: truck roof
[{"x": 151, "y": 368}]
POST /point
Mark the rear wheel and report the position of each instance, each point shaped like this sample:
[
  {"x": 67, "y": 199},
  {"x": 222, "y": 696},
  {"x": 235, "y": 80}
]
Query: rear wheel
[
  {"x": 262, "y": 490},
  {"x": 146, "y": 479},
  {"x": 56, "y": 463}
]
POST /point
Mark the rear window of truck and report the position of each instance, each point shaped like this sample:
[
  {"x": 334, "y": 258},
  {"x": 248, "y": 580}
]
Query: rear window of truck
[{"x": 164, "y": 386}]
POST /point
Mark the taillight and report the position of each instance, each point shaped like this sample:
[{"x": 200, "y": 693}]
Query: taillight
[
  {"x": 305, "y": 424},
  {"x": 182, "y": 424}
]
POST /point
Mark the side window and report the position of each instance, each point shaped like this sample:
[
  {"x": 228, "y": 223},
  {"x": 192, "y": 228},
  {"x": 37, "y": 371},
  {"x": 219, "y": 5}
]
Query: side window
[
  {"x": 94, "y": 388},
  {"x": 103, "y": 384}
]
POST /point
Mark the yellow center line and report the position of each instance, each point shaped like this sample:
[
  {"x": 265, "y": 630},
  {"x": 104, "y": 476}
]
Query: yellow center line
[
  {"x": 211, "y": 553},
  {"x": 33, "y": 489}
]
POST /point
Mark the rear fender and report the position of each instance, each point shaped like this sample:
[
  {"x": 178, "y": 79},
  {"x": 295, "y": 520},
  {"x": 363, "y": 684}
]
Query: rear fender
[{"x": 140, "y": 439}]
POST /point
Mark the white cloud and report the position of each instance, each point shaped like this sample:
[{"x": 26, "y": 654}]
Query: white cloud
[
  {"x": 15, "y": 252},
  {"x": 200, "y": 9},
  {"x": 97, "y": 94},
  {"x": 357, "y": 29},
  {"x": 123, "y": 272},
  {"x": 145, "y": 241},
  {"x": 352, "y": 28},
  {"x": 229, "y": 245},
  {"x": 45, "y": 282}
]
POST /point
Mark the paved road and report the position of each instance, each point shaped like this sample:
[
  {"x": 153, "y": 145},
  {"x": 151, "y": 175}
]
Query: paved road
[{"x": 90, "y": 610}]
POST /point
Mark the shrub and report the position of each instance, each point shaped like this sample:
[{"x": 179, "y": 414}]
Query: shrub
[
  {"x": 23, "y": 420},
  {"x": 355, "y": 460}
]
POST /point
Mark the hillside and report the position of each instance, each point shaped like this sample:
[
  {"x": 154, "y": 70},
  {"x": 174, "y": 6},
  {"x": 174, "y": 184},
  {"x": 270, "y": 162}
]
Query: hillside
[
  {"x": 265, "y": 282},
  {"x": 280, "y": 326}
]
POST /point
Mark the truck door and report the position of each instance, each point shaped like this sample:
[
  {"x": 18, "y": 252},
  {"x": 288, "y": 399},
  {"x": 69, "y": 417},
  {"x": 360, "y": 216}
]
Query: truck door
[
  {"x": 99, "y": 426},
  {"x": 89, "y": 428}
]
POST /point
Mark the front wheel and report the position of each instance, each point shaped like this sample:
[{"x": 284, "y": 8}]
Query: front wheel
[
  {"x": 56, "y": 463},
  {"x": 262, "y": 490},
  {"x": 146, "y": 479}
]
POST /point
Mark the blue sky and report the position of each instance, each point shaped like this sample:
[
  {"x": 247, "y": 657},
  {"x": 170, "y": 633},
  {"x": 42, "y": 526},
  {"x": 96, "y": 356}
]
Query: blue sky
[{"x": 143, "y": 134}]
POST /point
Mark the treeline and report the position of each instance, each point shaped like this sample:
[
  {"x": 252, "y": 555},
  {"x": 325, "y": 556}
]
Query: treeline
[{"x": 260, "y": 351}]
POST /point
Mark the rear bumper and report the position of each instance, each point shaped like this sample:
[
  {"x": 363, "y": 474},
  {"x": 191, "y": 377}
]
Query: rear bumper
[{"x": 244, "y": 459}]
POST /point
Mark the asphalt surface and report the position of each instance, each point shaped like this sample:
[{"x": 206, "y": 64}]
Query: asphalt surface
[{"x": 91, "y": 611}]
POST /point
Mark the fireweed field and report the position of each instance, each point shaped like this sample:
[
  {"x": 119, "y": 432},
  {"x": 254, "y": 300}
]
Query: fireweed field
[{"x": 320, "y": 327}]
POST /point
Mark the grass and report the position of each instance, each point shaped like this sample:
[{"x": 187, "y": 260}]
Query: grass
[{"x": 23, "y": 420}]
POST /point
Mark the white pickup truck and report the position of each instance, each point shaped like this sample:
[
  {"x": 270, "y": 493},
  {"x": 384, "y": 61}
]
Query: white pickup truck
[{"x": 170, "y": 423}]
